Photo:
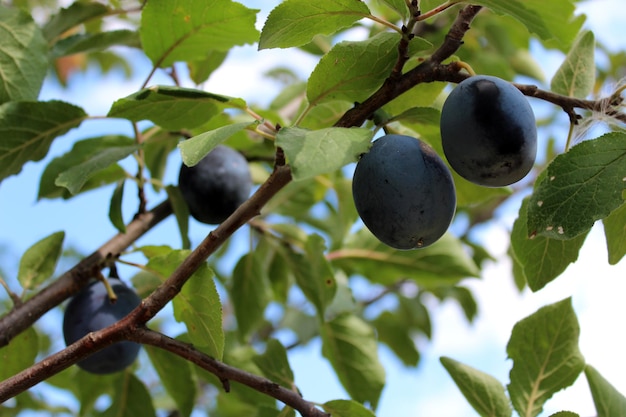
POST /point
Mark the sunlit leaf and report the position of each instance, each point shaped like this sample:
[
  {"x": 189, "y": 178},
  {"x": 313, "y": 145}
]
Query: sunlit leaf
[
  {"x": 79, "y": 12},
  {"x": 46, "y": 120},
  {"x": 350, "y": 345},
  {"x": 352, "y": 70},
  {"x": 484, "y": 392},
  {"x": 183, "y": 30},
  {"x": 541, "y": 259},
  {"x": 313, "y": 273},
  {"x": 346, "y": 408},
  {"x": 546, "y": 357},
  {"x": 444, "y": 262},
  {"x": 249, "y": 293},
  {"x": 172, "y": 108},
  {"x": 197, "y": 305},
  {"x": 115, "y": 208},
  {"x": 19, "y": 354},
  {"x": 176, "y": 375},
  {"x": 581, "y": 186},
  {"x": 76, "y": 177},
  {"x": 315, "y": 152},
  {"x": 615, "y": 232},
  {"x": 577, "y": 74},
  {"x": 88, "y": 42},
  {"x": 38, "y": 262},
  {"x": 23, "y": 59},
  {"x": 82, "y": 151},
  {"x": 275, "y": 365},
  {"x": 130, "y": 399},
  {"x": 296, "y": 22},
  {"x": 609, "y": 401},
  {"x": 197, "y": 147},
  {"x": 181, "y": 212}
]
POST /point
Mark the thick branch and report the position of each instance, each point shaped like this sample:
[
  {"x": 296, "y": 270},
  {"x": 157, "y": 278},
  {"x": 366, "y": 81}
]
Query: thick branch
[
  {"x": 152, "y": 304},
  {"x": 68, "y": 284},
  {"x": 228, "y": 373}
]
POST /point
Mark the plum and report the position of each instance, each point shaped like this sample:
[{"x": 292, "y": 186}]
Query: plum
[
  {"x": 488, "y": 131},
  {"x": 215, "y": 187},
  {"x": 91, "y": 310},
  {"x": 403, "y": 192}
]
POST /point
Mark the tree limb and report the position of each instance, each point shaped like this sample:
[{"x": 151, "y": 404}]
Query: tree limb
[
  {"x": 228, "y": 373},
  {"x": 25, "y": 314}
]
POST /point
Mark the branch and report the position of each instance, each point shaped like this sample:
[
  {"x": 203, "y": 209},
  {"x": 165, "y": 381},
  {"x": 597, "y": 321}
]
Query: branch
[
  {"x": 228, "y": 373},
  {"x": 151, "y": 305},
  {"x": 568, "y": 104},
  {"x": 428, "y": 71},
  {"x": 25, "y": 314}
]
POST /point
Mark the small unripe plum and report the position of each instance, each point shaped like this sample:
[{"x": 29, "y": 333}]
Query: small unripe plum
[
  {"x": 488, "y": 131},
  {"x": 91, "y": 310},
  {"x": 216, "y": 186},
  {"x": 403, "y": 192}
]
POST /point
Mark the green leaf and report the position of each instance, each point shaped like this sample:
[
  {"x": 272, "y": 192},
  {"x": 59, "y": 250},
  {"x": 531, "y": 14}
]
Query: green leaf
[
  {"x": 352, "y": 70},
  {"x": 201, "y": 70},
  {"x": 315, "y": 152},
  {"x": 249, "y": 293},
  {"x": 198, "y": 304},
  {"x": 194, "y": 149},
  {"x": 77, "y": 13},
  {"x": 545, "y": 354},
  {"x": 275, "y": 365},
  {"x": 609, "y": 402},
  {"x": 394, "y": 331},
  {"x": 564, "y": 414},
  {"x": 131, "y": 399},
  {"x": 156, "y": 150},
  {"x": 19, "y": 354},
  {"x": 176, "y": 376},
  {"x": 28, "y": 128},
  {"x": 181, "y": 212},
  {"x": 81, "y": 152},
  {"x": 183, "y": 30},
  {"x": 350, "y": 345},
  {"x": 115, "y": 209},
  {"x": 94, "y": 42},
  {"x": 444, "y": 262},
  {"x": 581, "y": 186},
  {"x": 577, "y": 74},
  {"x": 313, "y": 273},
  {"x": 76, "y": 177},
  {"x": 346, "y": 408},
  {"x": 23, "y": 56},
  {"x": 172, "y": 108},
  {"x": 38, "y": 262},
  {"x": 296, "y": 22},
  {"x": 464, "y": 297},
  {"x": 541, "y": 259},
  {"x": 399, "y": 6},
  {"x": 553, "y": 20},
  {"x": 615, "y": 232},
  {"x": 484, "y": 392}
]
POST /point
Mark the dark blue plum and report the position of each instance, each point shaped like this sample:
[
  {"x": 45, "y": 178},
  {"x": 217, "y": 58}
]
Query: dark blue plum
[
  {"x": 403, "y": 192},
  {"x": 216, "y": 186},
  {"x": 91, "y": 310},
  {"x": 488, "y": 131}
]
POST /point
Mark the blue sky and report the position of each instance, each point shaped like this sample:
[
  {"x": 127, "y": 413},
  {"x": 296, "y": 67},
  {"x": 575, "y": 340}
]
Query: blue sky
[{"x": 426, "y": 390}]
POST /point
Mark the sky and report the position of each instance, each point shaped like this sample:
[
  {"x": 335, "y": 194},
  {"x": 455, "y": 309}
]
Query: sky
[{"x": 596, "y": 288}]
